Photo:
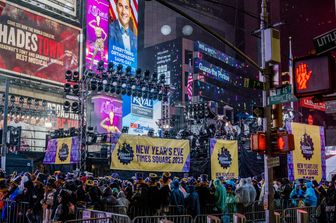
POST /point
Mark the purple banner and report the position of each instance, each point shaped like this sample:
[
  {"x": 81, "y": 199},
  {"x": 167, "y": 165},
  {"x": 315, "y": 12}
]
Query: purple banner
[
  {"x": 62, "y": 151},
  {"x": 97, "y": 19},
  {"x": 107, "y": 114}
]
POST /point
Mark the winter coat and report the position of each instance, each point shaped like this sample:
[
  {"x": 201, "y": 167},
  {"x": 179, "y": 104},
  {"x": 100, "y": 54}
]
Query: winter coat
[
  {"x": 220, "y": 196},
  {"x": 297, "y": 193},
  {"x": 310, "y": 198}
]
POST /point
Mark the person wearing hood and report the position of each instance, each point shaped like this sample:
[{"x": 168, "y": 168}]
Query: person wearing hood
[
  {"x": 122, "y": 200},
  {"x": 243, "y": 196},
  {"x": 251, "y": 191},
  {"x": 296, "y": 194},
  {"x": 220, "y": 196},
  {"x": 176, "y": 196},
  {"x": 192, "y": 201},
  {"x": 310, "y": 198}
]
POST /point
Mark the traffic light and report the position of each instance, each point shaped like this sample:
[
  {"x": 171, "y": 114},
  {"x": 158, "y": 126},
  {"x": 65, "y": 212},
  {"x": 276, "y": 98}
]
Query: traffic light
[
  {"x": 281, "y": 142},
  {"x": 277, "y": 116},
  {"x": 258, "y": 142}
]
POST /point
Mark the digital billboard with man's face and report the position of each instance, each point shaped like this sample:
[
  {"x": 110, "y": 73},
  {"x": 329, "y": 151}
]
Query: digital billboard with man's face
[{"x": 123, "y": 32}]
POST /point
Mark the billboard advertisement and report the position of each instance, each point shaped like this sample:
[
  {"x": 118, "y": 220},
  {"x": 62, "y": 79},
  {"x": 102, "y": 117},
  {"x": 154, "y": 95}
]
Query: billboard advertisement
[
  {"x": 141, "y": 114},
  {"x": 64, "y": 8},
  {"x": 123, "y": 32},
  {"x": 107, "y": 114},
  {"x": 36, "y": 46},
  {"x": 97, "y": 20}
]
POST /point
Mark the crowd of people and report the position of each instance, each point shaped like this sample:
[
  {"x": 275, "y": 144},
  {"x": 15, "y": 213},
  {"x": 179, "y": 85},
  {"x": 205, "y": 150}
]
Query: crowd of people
[{"x": 56, "y": 197}]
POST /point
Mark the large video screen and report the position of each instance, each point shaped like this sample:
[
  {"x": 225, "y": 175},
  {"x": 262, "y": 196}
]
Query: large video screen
[
  {"x": 36, "y": 46},
  {"x": 123, "y": 32},
  {"x": 97, "y": 20}
]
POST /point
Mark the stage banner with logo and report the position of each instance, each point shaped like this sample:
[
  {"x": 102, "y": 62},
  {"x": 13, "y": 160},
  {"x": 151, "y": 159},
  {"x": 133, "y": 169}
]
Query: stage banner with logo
[
  {"x": 224, "y": 158},
  {"x": 308, "y": 159},
  {"x": 150, "y": 154},
  {"x": 62, "y": 151}
]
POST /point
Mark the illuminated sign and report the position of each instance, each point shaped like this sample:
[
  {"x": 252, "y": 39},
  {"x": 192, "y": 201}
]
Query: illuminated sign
[
  {"x": 308, "y": 103},
  {"x": 32, "y": 45},
  {"x": 123, "y": 32},
  {"x": 313, "y": 76},
  {"x": 210, "y": 70},
  {"x": 142, "y": 107},
  {"x": 97, "y": 20}
]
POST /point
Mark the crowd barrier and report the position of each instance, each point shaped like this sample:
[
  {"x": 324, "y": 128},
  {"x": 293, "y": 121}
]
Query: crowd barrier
[
  {"x": 93, "y": 214},
  {"x": 159, "y": 219},
  {"x": 14, "y": 212}
]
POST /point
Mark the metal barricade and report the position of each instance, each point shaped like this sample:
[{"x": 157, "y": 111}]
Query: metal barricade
[
  {"x": 159, "y": 219},
  {"x": 90, "y": 220},
  {"x": 135, "y": 211},
  {"x": 15, "y": 212},
  {"x": 290, "y": 214},
  {"x": 118, "y": 209},
  {"x": 203, "y": 218},
  {"x": 114, "y": 218}
]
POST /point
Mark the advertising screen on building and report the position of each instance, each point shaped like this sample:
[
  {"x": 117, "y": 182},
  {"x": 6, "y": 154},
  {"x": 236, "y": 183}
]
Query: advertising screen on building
[
  {"x": 97, "y": 20},
  {"x": 107, "y": 114},
  {"x": 36, "y": 46},
  {"x": 123, "y": 32},
  {"x": 65, "y": 8}
]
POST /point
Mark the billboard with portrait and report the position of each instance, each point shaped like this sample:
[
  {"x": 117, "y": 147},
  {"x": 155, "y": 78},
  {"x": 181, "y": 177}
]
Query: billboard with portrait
[
  {"x": 36, "y": 46},
  {"x": 123, "y": 32},
  {"x": 106, "y": 114},
  {"x": 97, "y": 20}
]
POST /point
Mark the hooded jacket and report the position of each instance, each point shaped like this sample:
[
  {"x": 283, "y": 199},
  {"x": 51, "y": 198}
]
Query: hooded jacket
[
  {"x": 251, "y": 190},
  {"x": 310, "y": 198},
  {"x": 220, "y": 196},
  {"x": 242, "y": 193}
]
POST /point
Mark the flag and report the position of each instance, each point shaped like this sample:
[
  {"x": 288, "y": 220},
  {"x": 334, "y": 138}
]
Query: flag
[
  {"x": 134, "y": 11},
  {"x": 190, "y": 83}
]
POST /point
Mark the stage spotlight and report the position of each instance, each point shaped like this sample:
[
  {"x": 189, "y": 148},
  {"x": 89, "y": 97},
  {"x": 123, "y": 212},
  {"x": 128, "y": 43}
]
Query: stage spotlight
[
  {"x": 75, "y": 106},
  {"x": 74, "y": 131},
  {"x": 68, "y": 75},
  {"x": 154, "y": 77},
  {"x": 128, "y": 71},
  {"x": 138, "y": 74},
  {"x": 129, "y": 92},
  {"x": 119, "y": 68},
  {"x": 134, "y": 92},
  {"x": 113, "y": 89},
  {"x": 105, "y": 76},
  {"x": 12, "y": 99},
  {"x": 93, "y": 84},
  {"x": 100, "y": 66},
  {"x": 150, "y": 132},
  {"x": 21, "y": 100},
  {"x": 75, "y": 76},
  {"x": 162, "y": 78},
  {"x": 91, "y": 136},
  {"x": 110, "y": 67},
  {"x": 67, "y": 88},
  {"x": 75, "y": 89},
  {"x": 124, "y": 129},
  {"x": 66, "y": 106},
  {"x": 106, "y": 88},
  {"x": 29, "y": 100},
  {"x": 100, "y": 86},
  {"x": 147, "y": 75},
  {"x": 37, "y": 102},
  {"x": 118, "y": 90},
  {"x": 44, "y": 103},
  {"x": 89, "y": 73}
]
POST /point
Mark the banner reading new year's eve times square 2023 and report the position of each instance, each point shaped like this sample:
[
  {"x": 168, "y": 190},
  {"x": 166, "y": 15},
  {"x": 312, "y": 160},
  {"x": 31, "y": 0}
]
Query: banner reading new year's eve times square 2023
[
  {"x": 62, "y": 151},
  {"x": 224, "y": 158},
  {"x": 36, "y": 46},
  {"x": 308, "y": 158},
  {"x": 144, "y": 153}
]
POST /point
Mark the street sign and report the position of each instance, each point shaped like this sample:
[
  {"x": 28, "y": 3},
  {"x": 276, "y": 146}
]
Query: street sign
[
  {"x": 281, "y": 95},
  {"x": 254, "y": 84},
  {"x": 330, "y": 107},
  {"x": 273, "y": 161},
  {"x": 325, "y": 42}
]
